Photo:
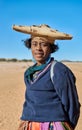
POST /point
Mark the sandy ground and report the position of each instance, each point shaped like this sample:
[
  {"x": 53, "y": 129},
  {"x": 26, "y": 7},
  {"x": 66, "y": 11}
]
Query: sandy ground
[{"x": 12, "y": 89}]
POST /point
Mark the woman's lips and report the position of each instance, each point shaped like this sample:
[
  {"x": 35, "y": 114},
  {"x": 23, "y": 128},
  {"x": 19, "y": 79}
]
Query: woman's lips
[{"x": 39, "y": 54}]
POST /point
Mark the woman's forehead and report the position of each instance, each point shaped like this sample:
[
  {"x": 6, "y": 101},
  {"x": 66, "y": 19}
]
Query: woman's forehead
[{"x": 39, "y": 39}]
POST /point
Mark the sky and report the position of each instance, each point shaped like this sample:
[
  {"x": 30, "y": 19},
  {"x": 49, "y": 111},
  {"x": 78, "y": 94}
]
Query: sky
[{"x": 63, "y": 15}]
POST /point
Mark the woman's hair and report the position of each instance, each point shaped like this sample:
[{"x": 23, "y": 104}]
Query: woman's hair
[{"x": 27, "y": 43}]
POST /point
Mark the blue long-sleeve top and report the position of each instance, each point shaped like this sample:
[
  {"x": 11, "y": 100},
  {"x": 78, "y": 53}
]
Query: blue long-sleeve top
[{"x": 46, "y": 101}]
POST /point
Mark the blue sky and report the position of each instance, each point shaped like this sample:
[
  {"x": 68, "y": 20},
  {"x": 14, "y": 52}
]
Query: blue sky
[{"x": 63, "y": 15}]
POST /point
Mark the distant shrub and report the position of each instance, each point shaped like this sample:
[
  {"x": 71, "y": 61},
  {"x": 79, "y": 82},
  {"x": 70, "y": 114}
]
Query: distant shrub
[
  {"x": 24, "y": 60},
  {"x": 2, "y": 59},
  {"x": 13, "y": 60},
  {"x": 29, "y": 60}
]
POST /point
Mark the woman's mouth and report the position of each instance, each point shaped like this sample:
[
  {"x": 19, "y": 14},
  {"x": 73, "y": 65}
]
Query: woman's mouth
[{"x": 38, "y": 53}]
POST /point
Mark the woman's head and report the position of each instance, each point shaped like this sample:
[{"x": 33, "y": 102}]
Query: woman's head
[
  {"x": 53, "y": 46},
  {"x": 41, "y": 48},
  {"x": 42, "y": 31}
]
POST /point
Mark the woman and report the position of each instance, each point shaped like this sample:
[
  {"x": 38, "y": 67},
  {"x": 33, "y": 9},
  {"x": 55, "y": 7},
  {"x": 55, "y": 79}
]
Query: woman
[{"x": 48, "y": 105}]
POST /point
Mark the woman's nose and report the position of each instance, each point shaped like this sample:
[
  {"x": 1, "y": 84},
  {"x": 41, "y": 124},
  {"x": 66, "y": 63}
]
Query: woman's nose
[{"x": 39, "y": 46}]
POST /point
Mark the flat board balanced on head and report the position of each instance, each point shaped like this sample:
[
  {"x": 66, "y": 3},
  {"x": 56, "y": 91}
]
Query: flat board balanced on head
[{"x": 42, "y": 30}]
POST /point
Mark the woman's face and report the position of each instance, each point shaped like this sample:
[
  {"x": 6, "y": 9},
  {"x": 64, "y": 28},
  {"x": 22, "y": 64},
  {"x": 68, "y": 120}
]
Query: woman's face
[{"x": 40, "y": 49}]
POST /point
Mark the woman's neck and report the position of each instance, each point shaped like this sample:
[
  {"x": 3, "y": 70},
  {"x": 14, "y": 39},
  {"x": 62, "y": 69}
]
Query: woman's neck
[
  {"x": 40, "y": 63},
  {"x": 43, "y": 62}
]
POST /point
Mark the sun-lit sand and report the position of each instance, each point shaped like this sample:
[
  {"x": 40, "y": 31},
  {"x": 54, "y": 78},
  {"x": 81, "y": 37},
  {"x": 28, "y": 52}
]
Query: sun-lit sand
[{"x": 12, "y": 90}]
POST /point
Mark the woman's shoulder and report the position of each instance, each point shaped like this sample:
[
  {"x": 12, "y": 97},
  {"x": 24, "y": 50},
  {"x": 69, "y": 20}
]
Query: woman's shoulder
[
  {"x": 28, "y": 69},
  {"x": 61, "y": 68}
]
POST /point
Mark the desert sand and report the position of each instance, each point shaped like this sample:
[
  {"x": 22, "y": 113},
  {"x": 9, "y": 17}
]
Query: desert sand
[{"x": 12, "y": 90}]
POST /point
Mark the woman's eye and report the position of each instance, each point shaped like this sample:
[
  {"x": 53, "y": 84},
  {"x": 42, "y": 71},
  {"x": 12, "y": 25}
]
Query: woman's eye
[
  {"x": 44, "y": 44},
  {"x": 41, "y": 44},
  {"x": 34, "y": 43}
]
